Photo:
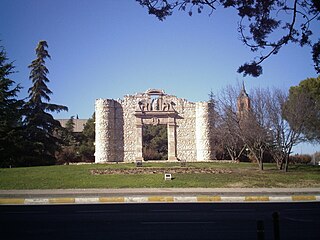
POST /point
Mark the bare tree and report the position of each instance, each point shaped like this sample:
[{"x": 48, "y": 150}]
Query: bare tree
[
  {"x": 273, "y": 124},
  {"x": 254, "y": 127},
  {"x": 281, "y": 137},
  {"x": 228, "y": 123},
  {"x": 255, "y": 137}
]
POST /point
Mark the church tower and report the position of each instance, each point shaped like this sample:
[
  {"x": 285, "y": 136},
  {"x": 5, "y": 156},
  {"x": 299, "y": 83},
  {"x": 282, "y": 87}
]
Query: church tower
[{"x": 243, "y": 102}]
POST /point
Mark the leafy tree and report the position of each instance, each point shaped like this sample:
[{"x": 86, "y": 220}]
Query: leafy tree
[
  {"x": 218, "y": 147},
  {"x": 260, "y": 21},
  {"x": 10, "y": 115},
  {"x": 306, "y": 97},
  {"x": 39, "y": 123},
  {"x": 155, "y": 142},
  {"x": 86, "y": 148},
  {"x": 66, "y": 134},
  {"x": 70, "y": 124},
  {"x": 70, "y": 137},
  {"x": 69, "y": 143}
]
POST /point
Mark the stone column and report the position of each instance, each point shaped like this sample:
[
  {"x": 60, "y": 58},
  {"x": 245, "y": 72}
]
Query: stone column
[
  {"x": 139, "y": 125},
  {"x": 103, "y": 127},
  {"x": 203, "y": 131},
  {"x": 172, "y": 150}
]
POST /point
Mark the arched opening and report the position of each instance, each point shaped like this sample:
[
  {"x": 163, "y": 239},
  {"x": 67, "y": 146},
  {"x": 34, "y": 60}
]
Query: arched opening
[{"x": 154, "y": 142}]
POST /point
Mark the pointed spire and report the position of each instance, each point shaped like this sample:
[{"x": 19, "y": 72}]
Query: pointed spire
[
  {"x": 243, "y": 92},
  {"x": 243, "y": 88}
]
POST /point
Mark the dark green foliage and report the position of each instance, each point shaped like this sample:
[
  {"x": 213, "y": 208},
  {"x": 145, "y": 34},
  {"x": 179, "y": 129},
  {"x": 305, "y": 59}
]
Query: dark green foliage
[
  {"x": 86, "y": 148},
  {"x": 40, "y": 126},
  {"x": 67, "y": 154},
  {"x": 260, "y": 21},
  {"x": 252, "y": 69},
  {"x": 316, "y": 56},
  {"x": 307, "y": 97},
  {"x": 67, "y": 135},
  {"x": 70, "y": 124},
  {"x": 69, "y": 143},
  {"x": 155, "y": 142},
  {"x": 10, "y": 115},
  {"x": 77, "y": 146}
]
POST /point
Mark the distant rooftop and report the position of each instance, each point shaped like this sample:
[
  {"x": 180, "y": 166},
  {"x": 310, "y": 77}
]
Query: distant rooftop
[{"x": 78, "y": 124}]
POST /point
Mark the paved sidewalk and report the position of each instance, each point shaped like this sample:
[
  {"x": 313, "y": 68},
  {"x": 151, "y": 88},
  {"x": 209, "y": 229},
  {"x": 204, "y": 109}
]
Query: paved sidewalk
[
  {"x": 158, "y": 191},
  {"x": 151, "y": 195}
]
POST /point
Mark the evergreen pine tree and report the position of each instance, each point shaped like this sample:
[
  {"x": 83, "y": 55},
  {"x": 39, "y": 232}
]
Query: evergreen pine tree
[
  {"x": 10, "y": 115},
  {"x": 40, "y": 124},
  {"x": 87, "y": 148},
  {"x": 70, "y": 124}
]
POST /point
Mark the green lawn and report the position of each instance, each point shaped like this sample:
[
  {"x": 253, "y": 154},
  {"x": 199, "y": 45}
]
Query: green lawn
[{"x": 79, "y": 176}]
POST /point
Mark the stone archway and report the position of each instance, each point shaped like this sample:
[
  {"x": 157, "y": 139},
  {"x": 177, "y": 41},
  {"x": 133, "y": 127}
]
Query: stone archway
[
  {"x": 119, "y": 126},
  {"x": 156, "y": 111}
]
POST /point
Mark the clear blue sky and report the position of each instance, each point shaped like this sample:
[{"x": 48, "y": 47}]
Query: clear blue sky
[{"x": 110, "y": 48}]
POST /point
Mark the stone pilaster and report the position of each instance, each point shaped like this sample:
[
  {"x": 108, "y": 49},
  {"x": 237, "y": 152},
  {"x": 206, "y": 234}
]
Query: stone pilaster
[
  {"x": 139, "y": 154},
  {"x": 171, "y": 128}
]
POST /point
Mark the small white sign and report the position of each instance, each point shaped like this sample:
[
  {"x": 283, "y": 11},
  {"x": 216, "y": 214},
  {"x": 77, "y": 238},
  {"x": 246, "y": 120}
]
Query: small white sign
[{"x": 167, "y": 176}]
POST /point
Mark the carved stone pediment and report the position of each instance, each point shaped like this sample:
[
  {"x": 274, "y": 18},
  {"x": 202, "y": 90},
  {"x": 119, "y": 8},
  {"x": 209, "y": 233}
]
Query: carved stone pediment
[{"x": 156, "y": 104}]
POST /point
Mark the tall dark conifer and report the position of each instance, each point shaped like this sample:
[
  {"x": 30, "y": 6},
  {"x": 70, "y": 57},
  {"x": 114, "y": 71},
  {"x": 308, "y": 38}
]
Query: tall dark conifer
[
  {"x": 10, "y": 114},
  {"x": 40, "y": 125}
]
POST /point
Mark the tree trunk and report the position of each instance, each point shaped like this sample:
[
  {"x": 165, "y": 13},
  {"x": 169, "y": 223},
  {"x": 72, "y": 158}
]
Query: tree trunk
[
  {"x": 231, "y": 154},
  {"x": 261, "y": 165},
  {"x": 286, "y": 164},
  {"x": 261, "y": 158}
]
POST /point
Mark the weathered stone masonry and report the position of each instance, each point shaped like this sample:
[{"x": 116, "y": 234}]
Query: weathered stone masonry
[{"x": 119, "y": 127}]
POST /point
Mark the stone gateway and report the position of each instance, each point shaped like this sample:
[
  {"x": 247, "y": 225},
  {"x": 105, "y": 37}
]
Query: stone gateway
[{"x": 119, "y": 127}]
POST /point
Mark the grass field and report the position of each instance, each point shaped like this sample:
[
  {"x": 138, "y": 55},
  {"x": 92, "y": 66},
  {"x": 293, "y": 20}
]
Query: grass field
[{"x": 79, "y": 176}]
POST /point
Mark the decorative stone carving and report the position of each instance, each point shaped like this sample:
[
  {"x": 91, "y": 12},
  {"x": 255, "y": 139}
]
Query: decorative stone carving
[
  {"x": 144, "y": 105},
  {"x": 155, "y": 121},
  {"x": 156, "y": 104}
]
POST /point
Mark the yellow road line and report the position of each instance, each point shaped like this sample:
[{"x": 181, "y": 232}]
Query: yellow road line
[
  {"x": 160, "y": 199},
  {"x": 303, "y": 198},
  {"x": 256, "y": 199},
  {"x": 208, "y": 198},
  {"x": 111, "y": 199},
  {"x": 11, "y": 200},
  {"x": 61, "y": 200}
]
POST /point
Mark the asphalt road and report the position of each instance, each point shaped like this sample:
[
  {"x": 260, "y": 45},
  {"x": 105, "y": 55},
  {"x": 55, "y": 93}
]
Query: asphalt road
[{"x": 162, "y": 221}]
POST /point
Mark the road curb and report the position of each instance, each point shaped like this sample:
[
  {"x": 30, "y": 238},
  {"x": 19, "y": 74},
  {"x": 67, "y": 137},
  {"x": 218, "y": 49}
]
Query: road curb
[{"x": 157, "y": 199}]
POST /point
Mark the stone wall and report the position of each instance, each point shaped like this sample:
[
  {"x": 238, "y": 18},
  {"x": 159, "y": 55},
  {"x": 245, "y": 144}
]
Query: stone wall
[
  {"x": 119, "y": 126},
  {"x": 78, "y": 124}
]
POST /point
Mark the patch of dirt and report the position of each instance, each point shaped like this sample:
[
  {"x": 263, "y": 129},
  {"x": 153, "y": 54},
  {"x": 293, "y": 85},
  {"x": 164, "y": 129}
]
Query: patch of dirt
[
  {"x": 142, "y": 170},
  {"x": 236, "y": 185}
]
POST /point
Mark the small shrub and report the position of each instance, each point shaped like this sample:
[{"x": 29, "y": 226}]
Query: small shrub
[
  {"x": 66, "y": 155},
  {"x": 300, "y": 159}
]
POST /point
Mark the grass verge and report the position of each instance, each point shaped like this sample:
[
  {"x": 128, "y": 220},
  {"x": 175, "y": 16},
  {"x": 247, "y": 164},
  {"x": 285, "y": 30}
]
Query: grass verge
[{"x": 79, "y": 176}]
